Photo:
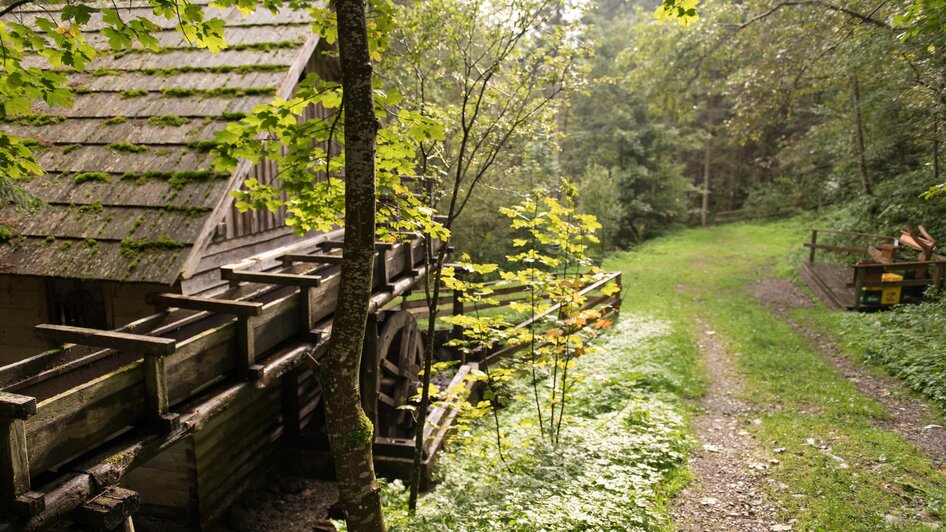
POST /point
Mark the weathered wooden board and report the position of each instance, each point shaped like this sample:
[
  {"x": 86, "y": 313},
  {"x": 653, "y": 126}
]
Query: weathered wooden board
[{"x": 75, "y": 421}]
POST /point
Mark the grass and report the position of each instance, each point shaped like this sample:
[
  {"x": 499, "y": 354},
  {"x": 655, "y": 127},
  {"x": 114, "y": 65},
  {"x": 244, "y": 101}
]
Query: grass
[
  {"x": 624, "y": 454},
  {"x": 841, "y": 471}
]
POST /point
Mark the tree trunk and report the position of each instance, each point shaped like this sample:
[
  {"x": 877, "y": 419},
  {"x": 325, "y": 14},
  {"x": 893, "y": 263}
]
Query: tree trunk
[
  {"x": 936, "y": 151},
  {"x": 859, "y": 136},
  {"x": 704, "y": 212},
  {"x": 350, "y": 432}
]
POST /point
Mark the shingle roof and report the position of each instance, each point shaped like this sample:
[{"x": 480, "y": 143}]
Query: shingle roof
[{"x": 130, "y": 187}]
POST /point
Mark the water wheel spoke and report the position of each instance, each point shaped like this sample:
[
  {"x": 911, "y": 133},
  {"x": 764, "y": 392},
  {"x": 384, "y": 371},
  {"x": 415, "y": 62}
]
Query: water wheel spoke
[
  {"x": 390, "y": 366},
  {"x": 410, "y": 371},
  {"x": 388, "y": 400}
]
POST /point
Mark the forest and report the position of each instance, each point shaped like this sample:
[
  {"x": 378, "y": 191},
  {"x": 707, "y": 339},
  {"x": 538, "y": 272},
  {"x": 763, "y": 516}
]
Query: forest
[{"x": 472, "y": 265}]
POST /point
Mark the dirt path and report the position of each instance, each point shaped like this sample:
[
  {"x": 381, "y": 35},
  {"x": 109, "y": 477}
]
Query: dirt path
[
  {"x": 728, "y": 492},
  {"x": 910, "y": 417}
]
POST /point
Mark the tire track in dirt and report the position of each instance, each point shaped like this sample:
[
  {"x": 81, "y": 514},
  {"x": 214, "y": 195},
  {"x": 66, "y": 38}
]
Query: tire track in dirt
[
  {"x": 728, "y": 491},
  {"x": 910, "y": 417}
]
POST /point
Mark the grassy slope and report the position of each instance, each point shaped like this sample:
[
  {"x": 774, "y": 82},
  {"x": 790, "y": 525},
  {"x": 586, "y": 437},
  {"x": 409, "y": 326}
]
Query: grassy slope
[
  {"x": 855, "y": 474},
  {"x": 627, "y": 440}
]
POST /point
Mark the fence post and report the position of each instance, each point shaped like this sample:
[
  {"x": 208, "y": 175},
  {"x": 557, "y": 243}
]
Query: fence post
[{"x": 814, "y": 241}]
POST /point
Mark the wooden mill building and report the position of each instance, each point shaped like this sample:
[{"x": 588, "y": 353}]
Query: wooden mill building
[
  {"x": 174, "y": 400},
  {"x": 134, "y": 204}
]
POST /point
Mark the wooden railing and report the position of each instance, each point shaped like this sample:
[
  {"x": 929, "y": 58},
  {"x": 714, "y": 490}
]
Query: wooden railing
[{"x": 870, "y": 273}]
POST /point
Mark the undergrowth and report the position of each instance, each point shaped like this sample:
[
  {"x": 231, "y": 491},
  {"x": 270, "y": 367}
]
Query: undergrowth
[
  {"x": 621, "y": 456},
  {"x": 908, "y": 341}
]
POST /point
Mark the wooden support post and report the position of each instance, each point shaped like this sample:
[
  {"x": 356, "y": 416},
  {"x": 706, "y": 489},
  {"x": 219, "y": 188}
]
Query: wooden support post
[
  {"x": 939, "y": 269},
  {"x": 814, "y": 242},
  {"x": 305, "y": 309},
  {"x": 110, "y": 510},
  {"x": 156, "y": 394},
  {"x": 14, "y": 459},
  {"x": 246, "y": 342}
]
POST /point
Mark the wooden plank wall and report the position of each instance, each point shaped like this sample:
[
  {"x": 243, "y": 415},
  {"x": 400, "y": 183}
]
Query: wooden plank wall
[
  {"x": 235, "y": 449},
  {"x": 168, "y": 485},
  {"x": 125, "y": 302},
  {"x": 22, "y": 305}
]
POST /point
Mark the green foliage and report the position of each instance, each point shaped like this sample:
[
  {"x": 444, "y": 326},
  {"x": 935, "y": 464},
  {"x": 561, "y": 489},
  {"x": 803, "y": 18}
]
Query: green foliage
[
  {"x": 698, "y": 281},
  {"x": 907, "y": 341},
  {"x": 897, "y": 202},
  {"x": 273, "y": 131},
  {"x": 116, "y": 120},
  {"x": 622, "y": 452},
  {"x": 5, "y": 234},
  {"x": 94, "y": 208},
  {"x": 554, "y": 265}
]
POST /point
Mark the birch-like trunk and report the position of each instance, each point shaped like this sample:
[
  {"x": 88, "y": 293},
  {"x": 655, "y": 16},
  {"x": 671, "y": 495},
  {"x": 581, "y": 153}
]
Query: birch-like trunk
[{"x": 350, "y": 431}]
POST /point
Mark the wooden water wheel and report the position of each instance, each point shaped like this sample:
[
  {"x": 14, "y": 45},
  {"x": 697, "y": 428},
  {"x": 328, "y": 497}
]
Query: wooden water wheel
[{"x": 389, "y": 376}]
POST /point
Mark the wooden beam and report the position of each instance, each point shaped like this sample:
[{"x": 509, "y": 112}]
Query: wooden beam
[
  {"x": 317, "y": 258},
  {"x": 65, "y": 334},
  {"x": 14, "y": 406},
  {"x": 378, "y": 245},
  {"x": 285, "y": 279},
  {"x": 222, "y": 306},
  {"x": 109, "y": 509}
]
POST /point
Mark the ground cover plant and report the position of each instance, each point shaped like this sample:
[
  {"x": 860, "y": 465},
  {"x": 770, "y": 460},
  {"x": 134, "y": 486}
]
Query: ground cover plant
[
  {"x": 908, "y": 341},
  {"x": 621, "y": 454}
]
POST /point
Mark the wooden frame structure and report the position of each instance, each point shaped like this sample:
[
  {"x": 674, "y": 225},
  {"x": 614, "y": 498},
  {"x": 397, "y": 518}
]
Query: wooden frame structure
[
  {"x": 840, "y": 285},
  {"x": 81, "y": 417},
  {"x": 106, "y": 421}
]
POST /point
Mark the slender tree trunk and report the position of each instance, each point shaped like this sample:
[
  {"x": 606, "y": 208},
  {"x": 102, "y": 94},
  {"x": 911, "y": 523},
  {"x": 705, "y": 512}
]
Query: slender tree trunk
[
  {"x": 704, "y": 211},
  {"x": 350, "y": 432},
  {"x": 936, "y": 151},
  {"x": 859, "y": 136}
]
